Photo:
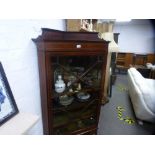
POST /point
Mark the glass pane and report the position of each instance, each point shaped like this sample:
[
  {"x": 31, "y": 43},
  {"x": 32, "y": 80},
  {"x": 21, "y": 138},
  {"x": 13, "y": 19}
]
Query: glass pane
[{"x": 76, "y": 88}]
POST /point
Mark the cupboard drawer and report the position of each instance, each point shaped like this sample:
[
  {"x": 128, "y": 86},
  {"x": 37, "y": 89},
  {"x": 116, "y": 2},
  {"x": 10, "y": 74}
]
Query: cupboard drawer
[{"x": 71, "y": 46}]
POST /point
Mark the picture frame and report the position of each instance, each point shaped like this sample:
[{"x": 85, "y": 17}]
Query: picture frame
[{"x": 8, "y": 107}]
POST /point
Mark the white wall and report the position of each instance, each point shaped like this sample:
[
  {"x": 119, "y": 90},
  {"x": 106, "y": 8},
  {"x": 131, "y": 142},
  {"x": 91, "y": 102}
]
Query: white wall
[
  {"x": 18, "y": 55},
  {"x": 136, "y": 36}
]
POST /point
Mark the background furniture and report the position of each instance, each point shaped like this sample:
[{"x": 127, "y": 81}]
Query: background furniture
[
  {"x": 150, "y": 58},
  {"x": 143, "y": 70},
  {"x": 113, "y": 61},
  {"x": 19, "y": 124},
  {"x": 80, "y": 58},
  {"x": 140, "y": 62},
  {"x": 73, "y": 24},
  {"x": 139, "y": 59},
  {"x": 82, "y": 25},
  {"x": 141, "y": 91},
  {"x": 113, "y": 66},
  {"x": 124, "y": 60}
]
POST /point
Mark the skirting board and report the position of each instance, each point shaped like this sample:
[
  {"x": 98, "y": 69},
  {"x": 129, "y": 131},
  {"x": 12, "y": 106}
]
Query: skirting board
[{"x": 19, "y": 124}]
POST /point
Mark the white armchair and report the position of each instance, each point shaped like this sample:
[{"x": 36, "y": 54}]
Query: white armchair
[{"x": 142, "y": 94}]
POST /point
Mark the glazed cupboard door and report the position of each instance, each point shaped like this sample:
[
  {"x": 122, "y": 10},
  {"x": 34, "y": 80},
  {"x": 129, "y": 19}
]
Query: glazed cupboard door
[{"x": 74, "y": 93}]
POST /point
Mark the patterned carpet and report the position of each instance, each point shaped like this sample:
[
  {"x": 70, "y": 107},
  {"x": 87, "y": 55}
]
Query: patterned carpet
[{"x": 117, "y": 117}]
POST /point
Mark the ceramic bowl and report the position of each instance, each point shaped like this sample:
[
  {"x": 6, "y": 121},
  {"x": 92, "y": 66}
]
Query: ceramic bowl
[{"x": 65, "y": 100}]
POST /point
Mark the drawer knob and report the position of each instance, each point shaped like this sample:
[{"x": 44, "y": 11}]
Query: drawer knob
[{"x": 78, "y": 46}]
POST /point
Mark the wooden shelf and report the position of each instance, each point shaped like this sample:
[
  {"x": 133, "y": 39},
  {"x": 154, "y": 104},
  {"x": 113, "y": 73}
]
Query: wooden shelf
[
  {"x": 73, "y": 106},
  {"x": 91, "y": 90},
  {"x": 64, "y": 124}
]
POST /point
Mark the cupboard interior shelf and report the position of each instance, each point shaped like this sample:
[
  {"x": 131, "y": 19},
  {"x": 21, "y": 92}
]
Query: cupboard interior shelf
[{"x": 91, "y": 90}]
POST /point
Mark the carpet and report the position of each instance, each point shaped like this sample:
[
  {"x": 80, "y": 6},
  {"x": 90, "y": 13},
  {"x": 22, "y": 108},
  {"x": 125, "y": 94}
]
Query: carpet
[{"x": 112, "y": 124}]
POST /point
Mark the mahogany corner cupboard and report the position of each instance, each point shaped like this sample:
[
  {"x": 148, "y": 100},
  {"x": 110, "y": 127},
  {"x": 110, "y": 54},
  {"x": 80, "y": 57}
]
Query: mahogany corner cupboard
[{"x": 72, "y": 73}]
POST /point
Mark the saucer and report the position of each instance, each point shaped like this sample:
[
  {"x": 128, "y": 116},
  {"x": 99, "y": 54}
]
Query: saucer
[{"x": 83, "y": 96}]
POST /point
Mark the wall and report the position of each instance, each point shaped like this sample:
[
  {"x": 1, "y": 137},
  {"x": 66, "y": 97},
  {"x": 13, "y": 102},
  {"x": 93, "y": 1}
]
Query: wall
[
  {"x": 136, "y": 36},
  {"x": 18, "y": 55}
]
